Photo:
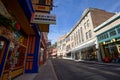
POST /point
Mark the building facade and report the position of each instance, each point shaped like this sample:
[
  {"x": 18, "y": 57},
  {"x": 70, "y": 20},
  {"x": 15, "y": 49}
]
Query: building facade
[
  {"x": 82, "y": 39},
  {"x": 20, "y": 40},
  {"x": 61, "y": 45},
  {"x": 108, "y": 36}
]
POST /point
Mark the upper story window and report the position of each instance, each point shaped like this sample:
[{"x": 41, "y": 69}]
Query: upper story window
[
  {"x": 85, "y": 25},
  {"x": 112, "y": 32},
  {"x": 67, "y": 39},
  {"x": 42, "y": 2},
  {"x": 90, "y": 33},
  {"x": 87, "y": 36},
  {"x": 118, "y": 30},
  {"x": 81, "y": 32},
  {"x": 103, "y": 36},
  {"x": 71, "y": 38},
  {"x": 88, "y": 23}
]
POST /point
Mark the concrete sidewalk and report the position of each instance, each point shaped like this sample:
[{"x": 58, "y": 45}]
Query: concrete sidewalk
[
  {"x": 46, "y": 72},
  {"x": 25, "y": 76}
]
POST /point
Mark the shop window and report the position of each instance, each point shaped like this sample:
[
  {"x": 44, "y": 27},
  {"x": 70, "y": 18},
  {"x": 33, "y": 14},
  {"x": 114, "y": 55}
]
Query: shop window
[
  {"x": 15, "y": 58},
  {"x": 112, "y": 33},
  {"x": 42, "y": 2},
  {"x": 2, "y": 49}
]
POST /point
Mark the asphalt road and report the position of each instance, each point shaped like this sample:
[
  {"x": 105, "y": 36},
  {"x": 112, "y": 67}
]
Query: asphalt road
[{"x": 72, "y": 70}]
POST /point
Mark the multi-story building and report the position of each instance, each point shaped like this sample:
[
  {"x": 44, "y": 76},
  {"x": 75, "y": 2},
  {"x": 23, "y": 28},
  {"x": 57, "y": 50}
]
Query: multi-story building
[
  {"x": 81, "y": 40},
  {"x": 54, "y": 52},
  {"x": 108, "y": 36},
  {"x": 43, "y": 47},
  {"x": 61, "y": 46},
  {"x": 21, "y": 38}
]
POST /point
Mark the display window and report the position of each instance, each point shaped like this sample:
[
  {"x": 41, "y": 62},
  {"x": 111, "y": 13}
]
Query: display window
[{"x": 2, "y": 49}]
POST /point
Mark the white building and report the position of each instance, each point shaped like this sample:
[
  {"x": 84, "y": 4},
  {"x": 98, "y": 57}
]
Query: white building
[{"x": 81, "y": 43}]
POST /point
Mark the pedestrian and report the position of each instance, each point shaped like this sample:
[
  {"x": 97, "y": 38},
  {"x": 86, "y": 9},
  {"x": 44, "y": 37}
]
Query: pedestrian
[{"x": 107, "y": 59}]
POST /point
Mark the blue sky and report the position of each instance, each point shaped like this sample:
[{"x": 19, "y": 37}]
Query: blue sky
[{"x": 68, "y": 12}]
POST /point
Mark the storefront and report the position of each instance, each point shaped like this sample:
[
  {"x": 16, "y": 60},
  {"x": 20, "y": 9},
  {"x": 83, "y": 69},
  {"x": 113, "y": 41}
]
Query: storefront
[
  {"x": 19, "y": 42},
  {"x": 13, "y": 44},
  {"x": 89, "y": 53},
  {"x": 86, "y": 51},
  {"x": 108, "y": 36},
  {"x": 110, "y": 44}
]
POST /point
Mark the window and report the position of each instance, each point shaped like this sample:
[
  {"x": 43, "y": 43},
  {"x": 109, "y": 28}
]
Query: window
[
  {"x": 118, "y": 30},
  {"x": 42, "y": 2},
  {"x": 2, "y": 49},
  {"x": 87, "y": 35},
  {"x": 71, "y": 38},
  {"x": 85, "y": 25},
  {"x": 76, "y": 38},
  {"x": 88, "y": 24},
  {"x": 81, "y": 34},
  {"x": 112, "y": 32},
  {"x": 90, "y": 34},
  {"x": 103, "y": 36}
]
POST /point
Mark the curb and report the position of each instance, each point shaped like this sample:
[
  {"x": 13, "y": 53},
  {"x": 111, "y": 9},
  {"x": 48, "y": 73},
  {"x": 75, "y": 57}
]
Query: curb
[
  {"x": 56, "y": 78},
  {"x": 102, "y": 63}
]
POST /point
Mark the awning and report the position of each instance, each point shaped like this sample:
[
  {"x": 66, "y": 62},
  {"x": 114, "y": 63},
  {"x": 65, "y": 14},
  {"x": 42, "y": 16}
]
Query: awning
[
  {"x": 14, "y": 8},
  {"x": 26, "y": 6},
  {"x": 85, "y": 45}
]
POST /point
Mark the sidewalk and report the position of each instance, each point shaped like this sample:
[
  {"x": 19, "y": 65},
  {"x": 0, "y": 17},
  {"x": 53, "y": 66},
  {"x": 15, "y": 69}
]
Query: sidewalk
[
  {"x": 46, "y": 72},
  {"x": 25, "y": 76}
]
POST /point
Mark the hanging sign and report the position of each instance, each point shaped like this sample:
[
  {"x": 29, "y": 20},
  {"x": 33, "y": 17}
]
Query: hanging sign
[
  {"x": 42, "y": 18},
  {"x": 41, "y": 8},
  {"x": 118, "y": 48}
]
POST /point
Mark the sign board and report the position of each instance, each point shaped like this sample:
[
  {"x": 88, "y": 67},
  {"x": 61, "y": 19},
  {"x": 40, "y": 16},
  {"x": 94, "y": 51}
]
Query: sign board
[
  {"x": 43, "y": 27},
  {"x": 118, "y": 48},
  {"x": 41, "y": 8},
  {"x": 42, "y": 18}
]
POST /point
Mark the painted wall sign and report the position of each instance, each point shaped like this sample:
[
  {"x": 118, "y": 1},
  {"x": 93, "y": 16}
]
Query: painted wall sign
[{"x": 42, "y": 18}]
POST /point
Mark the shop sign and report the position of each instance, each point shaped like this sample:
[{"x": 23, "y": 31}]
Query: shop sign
[
  {"x": 43, "y": 27},
  {"x": 118, "y": 48},
  {"x": 42, "y": 18},
  {"x": 41, "y": 8}
]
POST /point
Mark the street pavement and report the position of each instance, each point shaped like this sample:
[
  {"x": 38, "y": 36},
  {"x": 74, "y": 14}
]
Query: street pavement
[
  {"x": 72, "y": 70},
  {"x": 63, "y": 69}
]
